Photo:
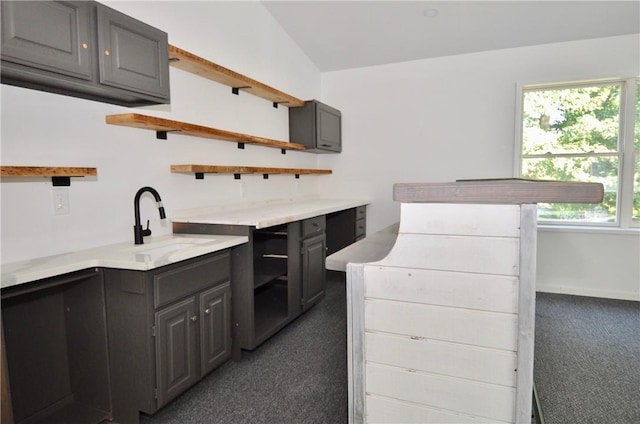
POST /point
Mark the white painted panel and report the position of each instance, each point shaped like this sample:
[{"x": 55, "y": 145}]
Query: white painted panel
[
  {"x": 385, "y": 410},
  {"x": 485, "y": 255},
  {"x": 452, "y": 359},
  {"x": 474, "y": 291},
  {"x": 355, "y": 342},
  {"x": 526, "y": 311},
  {"x": 479, "y": 328},
  {"x": 460, "y": 219},
  {"x": 465, "y": 396}
]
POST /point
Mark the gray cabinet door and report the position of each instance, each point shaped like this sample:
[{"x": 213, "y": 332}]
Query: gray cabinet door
[
  {"x": 317, "y": 126},
  {"x": 313, "y": 270},
  {"x": 215, "y": 327},
  {"x": 54, "y": 36},
  {"x": 328, "y": 128},
  {"x": 132, "y": 54},
  {"x": 176, "y": 349}
]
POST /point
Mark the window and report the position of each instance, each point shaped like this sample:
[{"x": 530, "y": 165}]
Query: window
[{"x": 584, "y": 132}]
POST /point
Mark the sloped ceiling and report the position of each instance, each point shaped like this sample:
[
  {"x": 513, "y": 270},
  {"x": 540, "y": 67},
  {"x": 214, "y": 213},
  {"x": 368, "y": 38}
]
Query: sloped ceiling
[{"x": 339, "y": 35}]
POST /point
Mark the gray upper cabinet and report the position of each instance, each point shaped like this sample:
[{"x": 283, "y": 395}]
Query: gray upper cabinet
[
  {"x": 48, "y": 35},
  {"x": 84, "y": 49},
  {"x": 134, "y": 56},
  {"x": 317, "y": 126}
]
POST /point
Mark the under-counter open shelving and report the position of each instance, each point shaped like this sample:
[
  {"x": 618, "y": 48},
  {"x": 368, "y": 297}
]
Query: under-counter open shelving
[
  {"x": 200, "y": 170},
  {"x": 197, "y": 65},
  {"x": 60, "y": 175},
  {"x": 163, "y": 126}
]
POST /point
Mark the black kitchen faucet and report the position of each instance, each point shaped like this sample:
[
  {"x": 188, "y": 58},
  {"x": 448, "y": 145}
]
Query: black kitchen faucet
[{"x": 138, "y": 232}]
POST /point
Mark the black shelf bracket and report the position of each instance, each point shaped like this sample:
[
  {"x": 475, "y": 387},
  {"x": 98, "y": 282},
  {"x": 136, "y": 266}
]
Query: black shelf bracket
[
  {"x": 297, "y": 176},
  {"x": 199, "y": 175},
  {"x": 236, "y": 176},
  {"x": 61, "y": 181},
  {"x": 275, "y": 104},
  {"x": 283, "y": 151},
  {"x": 241, "y": 146},
  {"x": 162, "y": 135},
  {"x": 265, "y": 176},
  {"x": 236, "y": 90}
]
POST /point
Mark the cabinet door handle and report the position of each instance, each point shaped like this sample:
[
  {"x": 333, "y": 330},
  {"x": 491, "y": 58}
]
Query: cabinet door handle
[
  {"x": 194, "y": 318},
  {"x": 207, "y": 311}
]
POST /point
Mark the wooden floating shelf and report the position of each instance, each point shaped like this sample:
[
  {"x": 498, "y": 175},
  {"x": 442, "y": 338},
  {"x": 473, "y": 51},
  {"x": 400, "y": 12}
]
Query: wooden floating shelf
[
  {"x": 189, "y": 62},
  {"x": 200, "y": 170},
  {"x": 163, "y": 126},
  {"x": 60, "y": 176}
]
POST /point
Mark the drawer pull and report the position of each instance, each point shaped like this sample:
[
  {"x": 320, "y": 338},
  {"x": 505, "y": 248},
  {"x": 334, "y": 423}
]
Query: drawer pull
[
  {"x": 194, "y": 318},
  {"x": 207, "y": 311}
]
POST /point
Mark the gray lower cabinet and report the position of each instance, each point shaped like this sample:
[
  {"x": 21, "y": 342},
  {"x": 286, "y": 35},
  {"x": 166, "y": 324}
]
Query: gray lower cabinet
[
  {"x": 346, "y": 227},
  {"x": 314, "y": 249},
  {"x": 277, "y": 275},
  {"x": 84, "y": 49},
  {"x": 168, "y": 328},
  {"x": 54, "y": 351}
]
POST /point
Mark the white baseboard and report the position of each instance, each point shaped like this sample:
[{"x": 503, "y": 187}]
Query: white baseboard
[{"x": 589, "y": 292}]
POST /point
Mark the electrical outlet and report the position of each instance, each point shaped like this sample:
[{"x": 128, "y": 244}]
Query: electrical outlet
[{"x": 61, "y": 201}]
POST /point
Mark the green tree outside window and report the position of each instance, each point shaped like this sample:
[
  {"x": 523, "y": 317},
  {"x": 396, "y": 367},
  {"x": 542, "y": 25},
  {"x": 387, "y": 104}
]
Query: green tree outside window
[{"x": 573, "y": 134}]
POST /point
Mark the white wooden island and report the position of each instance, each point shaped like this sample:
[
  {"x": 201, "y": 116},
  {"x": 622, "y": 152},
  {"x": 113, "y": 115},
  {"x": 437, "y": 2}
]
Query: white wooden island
[{"x": 441, "y": 330}]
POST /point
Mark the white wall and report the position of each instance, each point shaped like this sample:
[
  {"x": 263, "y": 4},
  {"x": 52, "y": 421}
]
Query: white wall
[
  {"x": 452, "y": 118},
  {"x": 42, "y": 129},
  {"x": 429, "y": 120}
]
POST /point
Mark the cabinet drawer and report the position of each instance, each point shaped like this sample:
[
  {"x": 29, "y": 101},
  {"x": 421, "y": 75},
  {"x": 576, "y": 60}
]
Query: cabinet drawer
[
  {"x": 313, "y": 226},
  {"x": 361, "y": 228},
  {"x": 361, "y": 212},
  {"x": 188, "y": 279}
]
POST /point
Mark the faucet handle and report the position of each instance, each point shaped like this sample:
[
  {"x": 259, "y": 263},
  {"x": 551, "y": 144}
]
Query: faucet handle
[{"x": 146, "y": 231}]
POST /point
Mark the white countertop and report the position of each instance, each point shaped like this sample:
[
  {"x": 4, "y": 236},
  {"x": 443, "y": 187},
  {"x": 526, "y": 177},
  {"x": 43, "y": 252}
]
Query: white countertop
[
  {"x": 172, "y": 248},
  {"x": 267, "y": 213},
  {"x": 370, "y": 249},
  {"x": 154, "y": 253}
]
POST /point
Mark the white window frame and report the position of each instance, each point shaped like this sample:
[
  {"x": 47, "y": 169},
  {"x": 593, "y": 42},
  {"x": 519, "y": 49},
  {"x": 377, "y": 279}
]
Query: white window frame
[{"x": 625, "y": 148}]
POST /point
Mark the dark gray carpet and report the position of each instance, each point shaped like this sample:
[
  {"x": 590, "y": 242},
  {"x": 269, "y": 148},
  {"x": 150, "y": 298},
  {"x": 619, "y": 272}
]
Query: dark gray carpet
[
  {"x": 587, "y": 359},
  {"x": 297, "y": 376},
  {"x": 587, "y": 368}
]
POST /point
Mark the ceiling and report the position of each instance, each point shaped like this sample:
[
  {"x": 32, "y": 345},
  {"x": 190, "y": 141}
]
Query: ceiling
[{"x": 338, "y": 35}]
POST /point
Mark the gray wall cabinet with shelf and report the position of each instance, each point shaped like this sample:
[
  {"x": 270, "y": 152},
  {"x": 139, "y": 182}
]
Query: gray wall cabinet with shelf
[
  {"x": 168, "y": 328},
  {"x": 84, "y": 49},
  {"x": 317, "y": 126},
  {"x": 55, "y": 346}
]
